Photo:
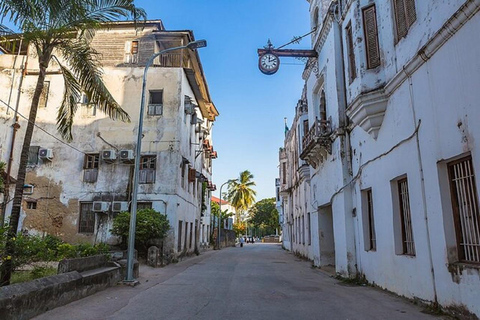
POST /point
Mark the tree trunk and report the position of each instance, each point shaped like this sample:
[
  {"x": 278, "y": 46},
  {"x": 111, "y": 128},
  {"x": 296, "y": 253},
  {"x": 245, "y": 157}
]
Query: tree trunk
[{"x": 7, "y": 266}]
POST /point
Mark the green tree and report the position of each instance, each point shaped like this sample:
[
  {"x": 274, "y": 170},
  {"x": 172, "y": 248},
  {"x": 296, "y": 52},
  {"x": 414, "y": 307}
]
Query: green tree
[
  {"x": 66, "y": 28},
  {"x": 265, "y": 216},
  {"x": 150, "y": 225},
  {"x": 240, "y": 192},
  {"x": 215, "y": 210}
]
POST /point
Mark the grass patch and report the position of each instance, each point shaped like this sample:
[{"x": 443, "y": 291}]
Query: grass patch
[
  {"x": 35, "y": 273},
  {"x": 357, "y": 281}
]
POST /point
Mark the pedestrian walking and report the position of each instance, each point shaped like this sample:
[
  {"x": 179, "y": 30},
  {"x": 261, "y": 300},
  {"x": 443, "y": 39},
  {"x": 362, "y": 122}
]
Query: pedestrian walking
[{"x": 241, "y": 242}]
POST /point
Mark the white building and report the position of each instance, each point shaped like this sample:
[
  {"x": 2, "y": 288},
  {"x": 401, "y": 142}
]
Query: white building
[
  {"x": 77, "y": 189},
  {"x": 391, "y": 147}
]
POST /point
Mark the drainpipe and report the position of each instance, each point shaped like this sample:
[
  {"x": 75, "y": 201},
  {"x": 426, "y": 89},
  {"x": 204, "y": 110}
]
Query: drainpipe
[
  {"x": 336, "y": 11},
  {"x": 422, "y": 179},
  {"x": 15, "y": 127}
]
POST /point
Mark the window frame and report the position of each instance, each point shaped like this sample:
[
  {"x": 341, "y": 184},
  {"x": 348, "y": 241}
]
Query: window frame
[
  {"x": 147, "y": 166},
  {"x": 408, "y": 21},
  {"x": 377, "y": 62},
  {"x": 406, "y": 224},
  {"x": 90, "y": 223},
  {"x": 43, "y": 101},
  {"x": 368, "y": 219},
  {"x": 459, "y": 225},
  {"x": 155, "y": 109}
]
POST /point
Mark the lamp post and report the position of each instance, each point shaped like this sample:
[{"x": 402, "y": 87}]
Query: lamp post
[
  {"x": 133, "y": 213},
  {"x": 220, "y": 213}
]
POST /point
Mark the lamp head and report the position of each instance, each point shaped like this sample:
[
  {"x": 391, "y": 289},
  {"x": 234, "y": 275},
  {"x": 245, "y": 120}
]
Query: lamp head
[{"x": 197, "y": 44}]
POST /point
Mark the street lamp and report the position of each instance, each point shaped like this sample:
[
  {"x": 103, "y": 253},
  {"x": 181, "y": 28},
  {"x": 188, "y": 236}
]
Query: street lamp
[
  {"x": 220, "y": 213},
  {"x": 133, "y": 216}
]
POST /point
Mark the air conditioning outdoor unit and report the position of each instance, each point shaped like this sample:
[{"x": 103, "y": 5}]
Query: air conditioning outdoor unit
[
  {"x": 119, "y": 206},
  {"x": 126, "y": 155},
  {"x": 46, "y": 154},
  {"x": 109, "y": 155},
  {"x": 100, "y": 206}
]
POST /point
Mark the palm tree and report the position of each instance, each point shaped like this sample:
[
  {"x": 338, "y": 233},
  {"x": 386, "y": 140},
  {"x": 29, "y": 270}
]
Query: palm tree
[
  {"x": 64, "y": 28},
  {"x": 240, "y": 192}
]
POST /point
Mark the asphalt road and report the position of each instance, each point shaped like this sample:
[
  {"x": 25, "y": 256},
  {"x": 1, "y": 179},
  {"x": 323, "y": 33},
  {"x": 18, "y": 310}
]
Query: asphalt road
[{"x": 258, "y": 281}]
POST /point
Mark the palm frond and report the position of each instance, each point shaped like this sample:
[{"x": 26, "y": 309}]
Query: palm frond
[
  {"x": 69, "y": 104},
  {"x": 86, "y": 68}
]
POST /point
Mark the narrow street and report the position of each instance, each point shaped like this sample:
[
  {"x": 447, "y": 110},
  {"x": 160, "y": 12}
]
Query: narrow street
[{"x": 259, "y": 281}]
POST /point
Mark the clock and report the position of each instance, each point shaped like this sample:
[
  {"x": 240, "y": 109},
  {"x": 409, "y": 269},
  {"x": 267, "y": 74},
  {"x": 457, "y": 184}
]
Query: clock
[{"x": 268, "y": 63}]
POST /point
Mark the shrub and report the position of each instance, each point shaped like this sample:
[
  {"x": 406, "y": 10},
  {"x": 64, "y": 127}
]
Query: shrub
[{"x": 150, "y": 225}]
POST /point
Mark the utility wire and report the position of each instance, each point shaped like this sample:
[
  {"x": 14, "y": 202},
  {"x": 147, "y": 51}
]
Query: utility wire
[{"x": 45, "y": 131}]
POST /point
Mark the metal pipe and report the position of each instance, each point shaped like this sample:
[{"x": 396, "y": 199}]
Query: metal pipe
[{"x": 133, "y": 212}]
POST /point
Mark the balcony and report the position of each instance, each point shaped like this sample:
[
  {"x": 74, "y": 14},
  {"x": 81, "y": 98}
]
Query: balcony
[
  {"x": 317, "y": 143},
  {"x": 172, "y": 60}
]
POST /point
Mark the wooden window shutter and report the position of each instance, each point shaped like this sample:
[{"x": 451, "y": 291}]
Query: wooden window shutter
[
  {"x": 351, "y": 54},
  {"x": 405, "y": 16},
  {"x": 191, "y": 175},
  {"x": 371, "y": 37},
  {"x": 410, "y": 12}
]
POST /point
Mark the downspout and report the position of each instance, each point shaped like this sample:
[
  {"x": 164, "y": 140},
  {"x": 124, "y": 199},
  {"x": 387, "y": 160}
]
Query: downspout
[
  {"x": 422, "y": 179},
  {"x": 15, "y": 127},
  {"x": 337, "y": 17}
]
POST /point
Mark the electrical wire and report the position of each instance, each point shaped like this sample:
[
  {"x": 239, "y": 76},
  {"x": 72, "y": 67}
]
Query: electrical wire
[{"x": 40, "y": 128}]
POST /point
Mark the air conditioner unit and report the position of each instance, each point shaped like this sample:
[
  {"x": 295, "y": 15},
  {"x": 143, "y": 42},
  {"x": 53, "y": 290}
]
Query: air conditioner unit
[
  {"x": 119, "y": 206},
  {"x": 109, "y": 155},
  {"x": 126, "y": 155},
  {"x": 46, "y": 154},
  {"x": 100, "y": 206}
]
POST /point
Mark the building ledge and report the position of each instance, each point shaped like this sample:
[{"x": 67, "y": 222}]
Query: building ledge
[{"x": 368, "y": 111}]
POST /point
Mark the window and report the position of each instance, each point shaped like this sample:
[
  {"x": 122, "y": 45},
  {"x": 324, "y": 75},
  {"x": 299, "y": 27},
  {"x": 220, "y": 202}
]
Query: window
[
  {"x": 466, "y": 214},
  {"x": 155, "y": 103},
  {"x": 144, "y": 205},
  {"x": 368, "y": 221},
  {"x": 305, "y": 127},
  {"x": 408, "y": 245},
  {"x": 309, "y": 234},
  {"x": 147, "y": 169},
  {"x": 191, "y": 237},
  {"x": 184, "y": 168},
  {"x": 179, "y": 243},
  {"x": 33, "y": 155},
  {"x": 186, "y": 235},
  {"x": 86, "y": 222},
  {"x": 131, "y": 51},
  {"x": 371, "y": 37},
  {"x": 284, "y": 173},
  {"x": 42, "y": 103},
  {"x": 323, "y": 106},
  {"x": 90, "y": 167},
  {"x": 405, "y": 16},
  {"x": 352, "y": 69},
  {"x": 32, "y": 205}
]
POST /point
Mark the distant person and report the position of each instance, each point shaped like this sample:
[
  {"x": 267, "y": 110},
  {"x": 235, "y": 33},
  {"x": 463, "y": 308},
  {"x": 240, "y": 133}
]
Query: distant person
[{"x": 241, "y": 242}]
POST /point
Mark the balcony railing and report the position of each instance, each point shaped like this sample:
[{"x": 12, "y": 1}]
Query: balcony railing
[
  {"x": 317, "y": 143},
  {"x": 172, "y": 60}
]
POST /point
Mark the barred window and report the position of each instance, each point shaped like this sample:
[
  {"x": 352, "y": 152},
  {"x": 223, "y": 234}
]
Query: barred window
[
  {"x": 352, "y": 69},
  {"x": 466, "y": 214},
  {"x": 147, "y": 169},
  {"x": 86, "y": 223},
  {"x": 408, "y": 243}
]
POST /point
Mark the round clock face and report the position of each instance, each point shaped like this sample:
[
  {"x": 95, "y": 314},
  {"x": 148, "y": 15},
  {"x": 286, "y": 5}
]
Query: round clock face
[{"x": 268, "y": 63}]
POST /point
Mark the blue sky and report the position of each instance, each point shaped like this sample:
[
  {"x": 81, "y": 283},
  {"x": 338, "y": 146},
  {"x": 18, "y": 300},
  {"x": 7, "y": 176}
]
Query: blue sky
[{"x": 252, "y": 106}]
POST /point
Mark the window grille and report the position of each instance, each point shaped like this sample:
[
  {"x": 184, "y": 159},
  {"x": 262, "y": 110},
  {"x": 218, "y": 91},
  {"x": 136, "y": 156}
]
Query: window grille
[
  {"x": 87, "y": 218},
  {"x": 90, "y": 166},
  {"x": 371, "y": 37},
  {"x": 352, "y": 69},
  {"x": 371, "y": 222},
  {"x": 405, "y": 15},
  {"x": 406, "y": 218},
  {"x": 465, "y": 209},
  {"x": 144, "y": 205}
]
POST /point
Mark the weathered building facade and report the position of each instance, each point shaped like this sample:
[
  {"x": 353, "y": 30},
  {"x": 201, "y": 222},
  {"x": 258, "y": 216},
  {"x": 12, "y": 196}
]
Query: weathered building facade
[
  {"x": 392, "y": 152},
  {"x": 75, "y": 190}
]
